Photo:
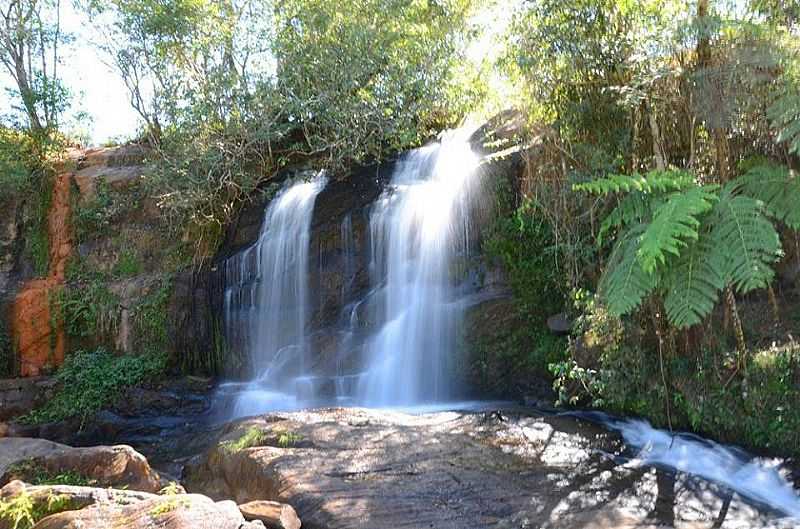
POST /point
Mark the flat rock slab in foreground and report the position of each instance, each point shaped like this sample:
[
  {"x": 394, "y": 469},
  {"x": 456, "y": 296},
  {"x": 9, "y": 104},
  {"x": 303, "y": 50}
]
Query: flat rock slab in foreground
[{"x": 358, "y": 469}]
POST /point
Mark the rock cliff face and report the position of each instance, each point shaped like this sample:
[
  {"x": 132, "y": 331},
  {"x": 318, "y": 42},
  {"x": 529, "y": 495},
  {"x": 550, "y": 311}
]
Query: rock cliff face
[
  {"x": 339, "y": 259},
  {"x": 37, "y": 328},
  {"x": 110, "y": 276}
]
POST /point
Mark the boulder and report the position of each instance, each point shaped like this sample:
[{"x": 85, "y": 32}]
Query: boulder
[
  {"x": 107, "y": 466},
  {"x": 70, "y": 507},
  {"x": 189, "y": 511},
  {"x": 275, "y": 515}
]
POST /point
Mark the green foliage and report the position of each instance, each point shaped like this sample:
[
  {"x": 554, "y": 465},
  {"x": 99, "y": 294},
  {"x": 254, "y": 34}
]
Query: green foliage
[
  {"x": 172, "y": 489},
  {"x": 784, "y": 114},
  {"x": 288, "y": 439},
  {"x": 777, "y": 189},
  {"x": 522, "y": 241},
  {"x": 748, "y": 239},
  {"x": 150, "y": 318},
  {"x": 625, "y": 284},
  {"x": 32, "y": 472},
  {"x": 90, "y": 380},
  {"x": 127, "y": 265},
  {"x": 694, "y": 280},
  {"x": 93, "y": 219},
  {"x": 15, "y": 174},
  {"x": 234, "y": 93},
  {"x": 89, "y": 309},
  {"x": 685, "y": 246},
  {"x": 22, "y": 512},
  {"x": 168, "y": 506},
  {"x": 18, "y": 512},
  {"x": 509, "y": 343},
  {"x": 251, "y": 438},
  {"x": 675, "y": 223},
  {"x": 37, "y": 243},
  {"x": 652, "y": 182}
]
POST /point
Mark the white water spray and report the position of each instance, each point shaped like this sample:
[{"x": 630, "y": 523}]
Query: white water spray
[
  {"x": 419, "y": 230},
  {"x": 266, "y": 298},
  {"x": 753, "y": 478}
]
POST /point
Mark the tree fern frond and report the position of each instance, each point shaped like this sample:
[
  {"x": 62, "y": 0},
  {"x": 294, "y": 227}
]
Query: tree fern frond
[
  {"x": 654, "y": 181},
  {"x": 693, "y": 283},
  {"x": 674, "y": 223},
  {"x": 633, "y": 208},
  {"x": 624, "y": 283},
  {"x": 784, "y": 114},
  {"x": 777, "y": 189},
  {"x": 748, "y": 239}
]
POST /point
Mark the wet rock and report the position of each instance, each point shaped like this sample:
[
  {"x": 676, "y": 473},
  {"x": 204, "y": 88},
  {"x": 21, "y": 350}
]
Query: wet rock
[
  {"x": 275, "y": 515},
  {"x": 108, "y": 466},
  {"x": 360, "y": 469},
  {"x": 20, "y": 395},
  {"x": 559, "y": 324},
  {"x": 497, "y": 365},
  {"x": 38, "y": 333}
]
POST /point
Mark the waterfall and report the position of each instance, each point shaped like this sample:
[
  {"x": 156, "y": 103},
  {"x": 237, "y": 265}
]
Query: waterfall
[
  {"x": 419, "y": 232},
  {"x": 266, "y": 301}
]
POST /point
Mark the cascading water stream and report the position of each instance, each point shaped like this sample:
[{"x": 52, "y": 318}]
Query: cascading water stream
[
  {"x": 419, "y": 231},
  {"x": 419, "y": 240},
  {"x": 266, "y": 298}
]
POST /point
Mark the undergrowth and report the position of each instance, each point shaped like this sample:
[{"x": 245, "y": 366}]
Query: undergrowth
[
  {"x": 91, "y": 380},
  {"x": 252, "y": 437},
  {"x": 23, "y": 512},
  {"x": 32, "y": 472}
]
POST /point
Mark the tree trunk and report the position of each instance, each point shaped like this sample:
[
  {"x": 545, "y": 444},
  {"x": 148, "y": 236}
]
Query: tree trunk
[
  {"x": 659, "y": 158},
  {"x": 737, "y": 323}
]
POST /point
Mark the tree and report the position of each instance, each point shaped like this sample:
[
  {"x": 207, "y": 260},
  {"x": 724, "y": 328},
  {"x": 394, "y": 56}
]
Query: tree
[
  {"x": 234, "y": 91},
  {"x": 30, "y": 42}
]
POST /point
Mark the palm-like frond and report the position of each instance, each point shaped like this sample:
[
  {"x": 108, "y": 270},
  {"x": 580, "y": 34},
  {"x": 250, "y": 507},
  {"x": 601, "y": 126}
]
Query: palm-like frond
[
  {"x": 633, "y": 208},
  {"x": 784, "y": 114},
  {"x": 624, "y": 283},
  {"x": 777, "y": 189},
  {"x": 674, "y": 223},
  {"x": 693, "y": 283},
  {"x": 750, "y": 243},
  {"x": 654, "y": 181}
]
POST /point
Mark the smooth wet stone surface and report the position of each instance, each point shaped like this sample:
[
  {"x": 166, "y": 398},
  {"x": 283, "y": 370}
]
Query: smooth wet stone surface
[{"x": 353, "y": 468}]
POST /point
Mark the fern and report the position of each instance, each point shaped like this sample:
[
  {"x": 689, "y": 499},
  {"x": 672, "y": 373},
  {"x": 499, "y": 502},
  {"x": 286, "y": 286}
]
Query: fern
[
  {"x": 674, "y": 222},
  {"x": 693, "y": 283},
  {"x": 751, "y": 245},
  {"x": 777, "y": 189},
  {"x": 625, "y": 284},
  {"x": 784, "y": 114},
  {"x": 654, "y": 181},
  {"x": 634, "y": 208}
]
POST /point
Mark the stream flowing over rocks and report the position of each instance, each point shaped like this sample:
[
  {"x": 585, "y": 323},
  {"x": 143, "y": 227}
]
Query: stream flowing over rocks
[
  {"x": 489, "y": 465},
  {"x": 357, "y": 468}
]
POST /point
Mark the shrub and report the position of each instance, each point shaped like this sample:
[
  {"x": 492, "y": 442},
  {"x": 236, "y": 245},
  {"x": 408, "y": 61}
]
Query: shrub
[{"x": 90, "y": 380}]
